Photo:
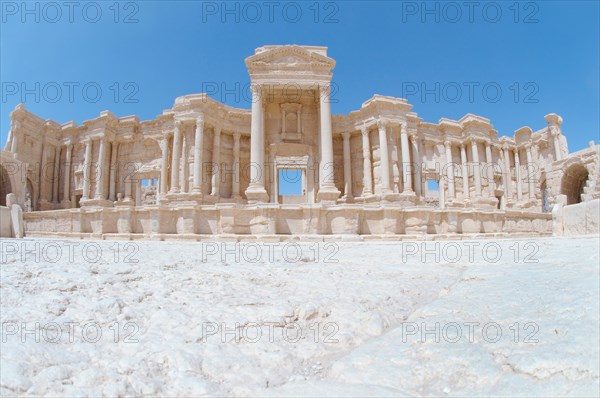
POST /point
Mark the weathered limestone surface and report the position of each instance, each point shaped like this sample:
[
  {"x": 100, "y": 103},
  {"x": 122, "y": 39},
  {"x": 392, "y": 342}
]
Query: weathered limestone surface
[{"x": 202, "y": 167}]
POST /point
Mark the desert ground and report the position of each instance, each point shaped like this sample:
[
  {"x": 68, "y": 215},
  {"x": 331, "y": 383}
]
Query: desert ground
[{"x": 452, "y": 318}]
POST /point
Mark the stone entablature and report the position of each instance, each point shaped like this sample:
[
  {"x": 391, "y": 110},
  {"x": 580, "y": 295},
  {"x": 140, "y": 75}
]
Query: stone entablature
[{"x": 204, "y": 153}]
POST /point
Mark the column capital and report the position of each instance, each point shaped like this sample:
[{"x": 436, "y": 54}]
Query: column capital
[
  {"x": 217, "y": 130},
  {"x": 447, "y": 143},
  {"x": 364, "y": 130},
  {"x": 345, "y": 135},
  {"x": 236, "y": 135},
  {"x": 381, "y": 124},
  {"x": 200, "y": 119}
]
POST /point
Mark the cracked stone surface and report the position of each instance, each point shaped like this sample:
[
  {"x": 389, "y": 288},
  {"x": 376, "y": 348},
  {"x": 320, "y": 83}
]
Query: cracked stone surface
[{"x": 376, "y": 318}]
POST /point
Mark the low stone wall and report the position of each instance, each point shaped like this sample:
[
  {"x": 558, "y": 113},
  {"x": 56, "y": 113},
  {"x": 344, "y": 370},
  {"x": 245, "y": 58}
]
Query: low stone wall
[
  {"x": 581, "y": 218},
  {"x": 281, "y": 220},
  {"x": 5, "y": 222}
]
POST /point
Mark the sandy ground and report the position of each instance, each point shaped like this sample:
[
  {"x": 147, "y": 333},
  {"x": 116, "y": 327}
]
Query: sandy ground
[{"x": 476, "y": 318}]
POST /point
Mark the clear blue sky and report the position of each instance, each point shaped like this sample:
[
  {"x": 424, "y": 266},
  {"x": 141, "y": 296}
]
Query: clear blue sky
[{"x": 546, "y": 53}]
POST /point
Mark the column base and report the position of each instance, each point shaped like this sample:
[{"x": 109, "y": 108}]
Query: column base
[
  {"x": 408, "y": 197},
  {"x": 66, "y": 204},
  {"x": 391, "y": 197},
  {"x": 257, "y": 194},
  {"x": 485, "y": 203},
  {"x": 328, "y": 194},
  {"x": 45, "y": 205},
  {"x": 96, "y": 203}
]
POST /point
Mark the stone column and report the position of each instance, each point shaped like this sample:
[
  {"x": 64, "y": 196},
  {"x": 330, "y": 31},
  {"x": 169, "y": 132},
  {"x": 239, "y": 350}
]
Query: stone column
[
  {"x": 327, "y": 189},
  {"x": 554, "y": 121},
  {"x": 100, "y": 192},
  {"x": 476, "y": 169},
  {"x": 112, "y": 190},
  {"x": 14, "y": 145},
  {"x": 367, "y": 173},
  {"x": 507, "y": 174},
  {"x": 530, "y": 172},
  {"x": 56, "y": 176},
  {"x": 235, "y": 188},
  {"x": 198, "y": 149},
  {"x": 347, "y": 166},
  {"x": 164, "y": 167},
  {"x": 465, "y": 171},
  {"x": 406, "y": 164},
  {"x": 414, "y": 140},
  {"x": 216, "y": 174},
  {"x": 256, "y": 189},
  {"x": 450, "y": 170},
  {"x": 87, "y": 169},
  {"x": 184, "y": 170},
  {"x": 66, "y": 202},
  {"x": 176, "y": 160},
  {"x": 384, "y": 157},
  {"x": 518, "y": 174},
  {"x": 490, "y": 169}
]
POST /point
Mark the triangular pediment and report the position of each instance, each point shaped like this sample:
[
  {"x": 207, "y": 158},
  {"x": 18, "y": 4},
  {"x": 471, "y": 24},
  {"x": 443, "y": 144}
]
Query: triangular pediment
[{"x": 291, "y": 57}]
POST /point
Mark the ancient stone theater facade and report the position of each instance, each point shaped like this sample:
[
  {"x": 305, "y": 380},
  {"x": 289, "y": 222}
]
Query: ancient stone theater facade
[{"x": 205, "y": 168}]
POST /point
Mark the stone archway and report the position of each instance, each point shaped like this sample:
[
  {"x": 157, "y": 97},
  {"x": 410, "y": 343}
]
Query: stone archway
[
  {"x": 5, "y": 185},
  {"x": 573, "y": 182}
]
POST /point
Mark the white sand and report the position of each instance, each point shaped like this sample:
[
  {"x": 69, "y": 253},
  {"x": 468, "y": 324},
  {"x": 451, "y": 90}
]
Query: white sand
[{"x": 360, "y": 319}]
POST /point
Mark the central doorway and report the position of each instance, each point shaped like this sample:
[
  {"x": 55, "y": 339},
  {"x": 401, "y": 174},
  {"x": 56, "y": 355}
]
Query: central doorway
[{"x": 291, "y": 185}]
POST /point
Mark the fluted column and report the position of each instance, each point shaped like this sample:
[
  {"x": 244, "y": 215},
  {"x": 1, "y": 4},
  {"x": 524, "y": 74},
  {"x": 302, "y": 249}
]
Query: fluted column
[
  {"x": 112, "y": 190},
  {"x": 406, "y": 163},
  {"x": 256, "y": 189},
  {"x": 100, "y": 193},
  {"x": 518, "y": 174},
  {"x": 164, "y": 167},
  {"x": 556, "y": 147},
  {"x": 176, "y": 159},
  {"x": 384, "y": 157},
  {"x": 476, "y": 168},
  {"x": 530, "y": 172},
  {"x": 327, "y": 189},
  {"x": 56, "y": 176},
  {"x": 490, "y": 169},
  {"x": 235, "y": 189},
  {"x": 554, "y": 121},
  {"x": 347, "y": 166},
  {"x": 66, "y": 202},
  {"x": 216, "y": 174},
  {"x": 198, "y": 149},
  {"x": 367, "y": 173},
  {"x": 507, "y": 174},
  {"x": 87, "y": 169},
  {"x": 465, "y": 171},
  {"x": 184, "y": 171},
  {"x": 414, "y": 140},
  {"x": 450, "y": 170}
]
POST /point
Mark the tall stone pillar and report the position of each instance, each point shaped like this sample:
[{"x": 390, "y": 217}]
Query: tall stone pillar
[
  {"x": 56, "y": 176},
  {"x": 216, "y": 173},
  {"x": 43, "y": 177},
  {"x": 476, "y": 167},
  {"x": 530, "y": 172},
  {"x": 112, "y": 190},
  {"x": 385, "y": 158},
  {"x": 367, "y": 172},
  {"x": 327, "y": 189},
  {"x": 518, "y": 174},
  {"x": 164, "y": 167},
  {"x": 14, "y": 144},
  {"x": 184, "y": 170},
  {"x": 406, "y": 163},
  {"x": 347, "y": 166},
  {"x": 176, "y": 160},
  {"x": 507, "y": 174},
  {"x": 198, "y": 149},
  {"x": 490, "y": 169},
  {"x": 450, "y": 170},
  {"x": 66, "y": 202},
  {"x": 554, "y": 121},
  {"x": 87, "y": 169},
  {"x": 465, "y": 171},
  {"x": 414, "y": 140},
  {"x": 100, "y": 176},
  {"x": 256, "y": 191},
  {"x": 235, "y": 188}
]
